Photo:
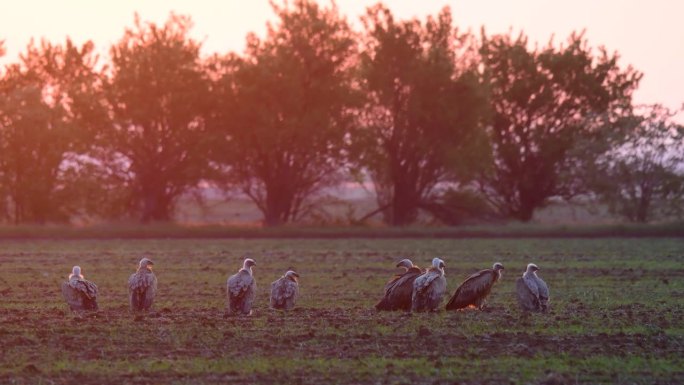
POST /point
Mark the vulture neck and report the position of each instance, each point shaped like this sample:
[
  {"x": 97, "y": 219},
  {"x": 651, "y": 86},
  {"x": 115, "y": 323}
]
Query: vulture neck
[
  {"x": 530, "y": 274},
  {"x": 247, "y": 269},
  {"x": 75, "y": 276}
]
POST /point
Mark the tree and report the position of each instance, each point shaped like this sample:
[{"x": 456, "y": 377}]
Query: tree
[
  {"x": 642, "y": 177},
  {"x": 544, "y": 102},
  {"x": 420, "y": 125},
  {"x": 43, "y": 100},
  {"x": 285, "y": 110},
  {"x": 158, "y": 95}
]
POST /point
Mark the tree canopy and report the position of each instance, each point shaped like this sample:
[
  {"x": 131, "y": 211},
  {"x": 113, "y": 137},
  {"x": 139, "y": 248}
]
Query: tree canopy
[
  {"x": 641, "y": 178},
  {"x": 446, "y": 125},
  {"x": 158, "y": 95},
  {"x": 41, "y": 106},
  {"x": 286, "y": 110},
  {"x": 544, "y": 101},
  {"x": 420, "y": 125}
]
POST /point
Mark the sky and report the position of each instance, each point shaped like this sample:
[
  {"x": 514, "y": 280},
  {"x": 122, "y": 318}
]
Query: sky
[{"x": 648, "y": 34}]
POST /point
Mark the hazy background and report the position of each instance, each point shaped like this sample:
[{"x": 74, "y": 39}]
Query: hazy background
[{"x": 649, "y": 35}]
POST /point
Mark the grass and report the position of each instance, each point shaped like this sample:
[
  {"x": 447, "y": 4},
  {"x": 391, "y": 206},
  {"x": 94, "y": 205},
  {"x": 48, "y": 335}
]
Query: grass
[{"x": 616, "y": 314}]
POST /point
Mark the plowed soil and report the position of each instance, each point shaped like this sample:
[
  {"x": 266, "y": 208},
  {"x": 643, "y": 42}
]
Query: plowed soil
[{"x": 616, "y": 314}]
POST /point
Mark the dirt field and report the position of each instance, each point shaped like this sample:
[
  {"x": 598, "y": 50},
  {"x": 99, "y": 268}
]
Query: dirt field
[{"x": 617, "y": 311}]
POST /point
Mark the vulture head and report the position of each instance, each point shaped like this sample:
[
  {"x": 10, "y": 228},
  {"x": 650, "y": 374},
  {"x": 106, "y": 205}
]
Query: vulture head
[
  {"x": 292, "y": 275},
  {"x": 498, "y": 269},
  {"x": 532, "y": 268},
  {"x": 146, "y": 263},
  {"x": 439, "y": 264},
  {"x": 247, "y": 265},
  {"x": 76, "y": 272},
  {"x": 405, "y": 263}
]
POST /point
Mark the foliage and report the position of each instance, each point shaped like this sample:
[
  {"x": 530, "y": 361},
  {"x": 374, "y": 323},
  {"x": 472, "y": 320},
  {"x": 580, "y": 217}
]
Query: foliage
[
  {"x": 285, "y": 110},
  {"x": 544, "y": 102},
  {"x": 43, "y": 102},
  {"x": 158, "y": 97},
  {"x": 641, "y": 178},
  {"x": 461, "y": 206},
  {"x": 420, "y": 122}
]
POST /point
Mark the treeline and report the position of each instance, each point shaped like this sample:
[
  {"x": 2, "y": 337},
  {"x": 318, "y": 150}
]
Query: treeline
[{"x": 450, "y": 123}]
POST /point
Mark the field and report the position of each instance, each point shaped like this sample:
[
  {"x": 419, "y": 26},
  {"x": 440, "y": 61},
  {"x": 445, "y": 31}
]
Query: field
[{"x": 617, "y": 311}]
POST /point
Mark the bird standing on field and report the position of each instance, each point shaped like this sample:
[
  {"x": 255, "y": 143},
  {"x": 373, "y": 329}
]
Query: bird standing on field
[
  {"x": 429, "y": 288},
  {"x": 284, "y": 291},
  {"x": 474, "y": 290},
  {"x": 533, "y": 293},
  {"x": 241, "y": 289},
  {"x": 79, "y": 293},
  {"x": 142, "y": 286},
  {"x": 399, "y": 289}
]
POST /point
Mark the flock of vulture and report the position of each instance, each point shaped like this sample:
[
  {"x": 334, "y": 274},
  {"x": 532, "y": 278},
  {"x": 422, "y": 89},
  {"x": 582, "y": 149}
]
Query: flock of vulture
[{"x": 413, "y": 290}]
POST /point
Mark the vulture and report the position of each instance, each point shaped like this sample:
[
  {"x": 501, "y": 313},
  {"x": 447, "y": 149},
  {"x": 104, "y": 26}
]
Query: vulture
[
  {"x": 533, "y": 294},
  {"x": 142, "y": 286},
  {"x": 398, "y": 290},
  {"x": 284, "y": 291},
  {"x": 241, "y": 289},
  {"x": 79, "y": 293},
  {"x": 474, "y": 290},
  {"x": 429, "y": 288}
]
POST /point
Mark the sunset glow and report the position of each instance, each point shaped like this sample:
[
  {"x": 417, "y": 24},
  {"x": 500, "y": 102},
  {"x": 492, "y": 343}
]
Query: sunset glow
[{"x": 647, "y": 34}]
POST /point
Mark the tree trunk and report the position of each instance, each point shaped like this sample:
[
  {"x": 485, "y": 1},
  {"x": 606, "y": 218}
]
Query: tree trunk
[{"x": 156, "y": 205}]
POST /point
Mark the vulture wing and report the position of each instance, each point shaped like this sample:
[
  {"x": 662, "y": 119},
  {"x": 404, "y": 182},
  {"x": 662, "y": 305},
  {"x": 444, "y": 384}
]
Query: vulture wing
[
  {"x": 428, "y": 290},
  {"x": 284, "y": 292},
  {"x": 473, "y": 291},
  {"x": 422, "y": 282},
  {"x": 543, "y": 294},
  {"x": 398, "y": 291},
  {"x": 142, "y": 287},
  {"x": 527, "y": 299},
  {"x": 240, "y": 287},
  {"x": 80, "y": 294}
]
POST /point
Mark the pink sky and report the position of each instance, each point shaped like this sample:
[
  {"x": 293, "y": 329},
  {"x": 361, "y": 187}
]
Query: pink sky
[{"x": 649, "y": 34}]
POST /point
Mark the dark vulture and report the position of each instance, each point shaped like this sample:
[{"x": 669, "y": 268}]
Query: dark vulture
[
  {"x": 399, "y": 289},
  {"x": 533, "y": 294},
  {"x": 429, "y": 288},
  {"x": 142, "y": 286},
  {"x": 241, "y": 289},
  {"x": 474, "y": 290},
  {"x": 284, "y": 291},
  {"x": 79, "y": 293}
]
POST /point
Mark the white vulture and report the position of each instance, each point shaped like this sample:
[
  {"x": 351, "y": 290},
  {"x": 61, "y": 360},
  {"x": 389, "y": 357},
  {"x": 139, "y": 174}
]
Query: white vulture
[
  {"x": 533, "y": 294},
  {"x": 474, "y": 290},
  {"x": 284, "y": 291},
  {"x": 241, "y": 289},
  {"x": 398, "y": 289},
  {"x": 79, "y": 293},
  {"x": 429, "y": 288},
  {"x": 142, "y": 286}
]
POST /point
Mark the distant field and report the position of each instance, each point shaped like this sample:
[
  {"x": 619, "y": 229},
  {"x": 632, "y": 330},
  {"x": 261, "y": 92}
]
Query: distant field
[
  {"x": 339, "y": 211},
  {"x": 616, "y": 316}
]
